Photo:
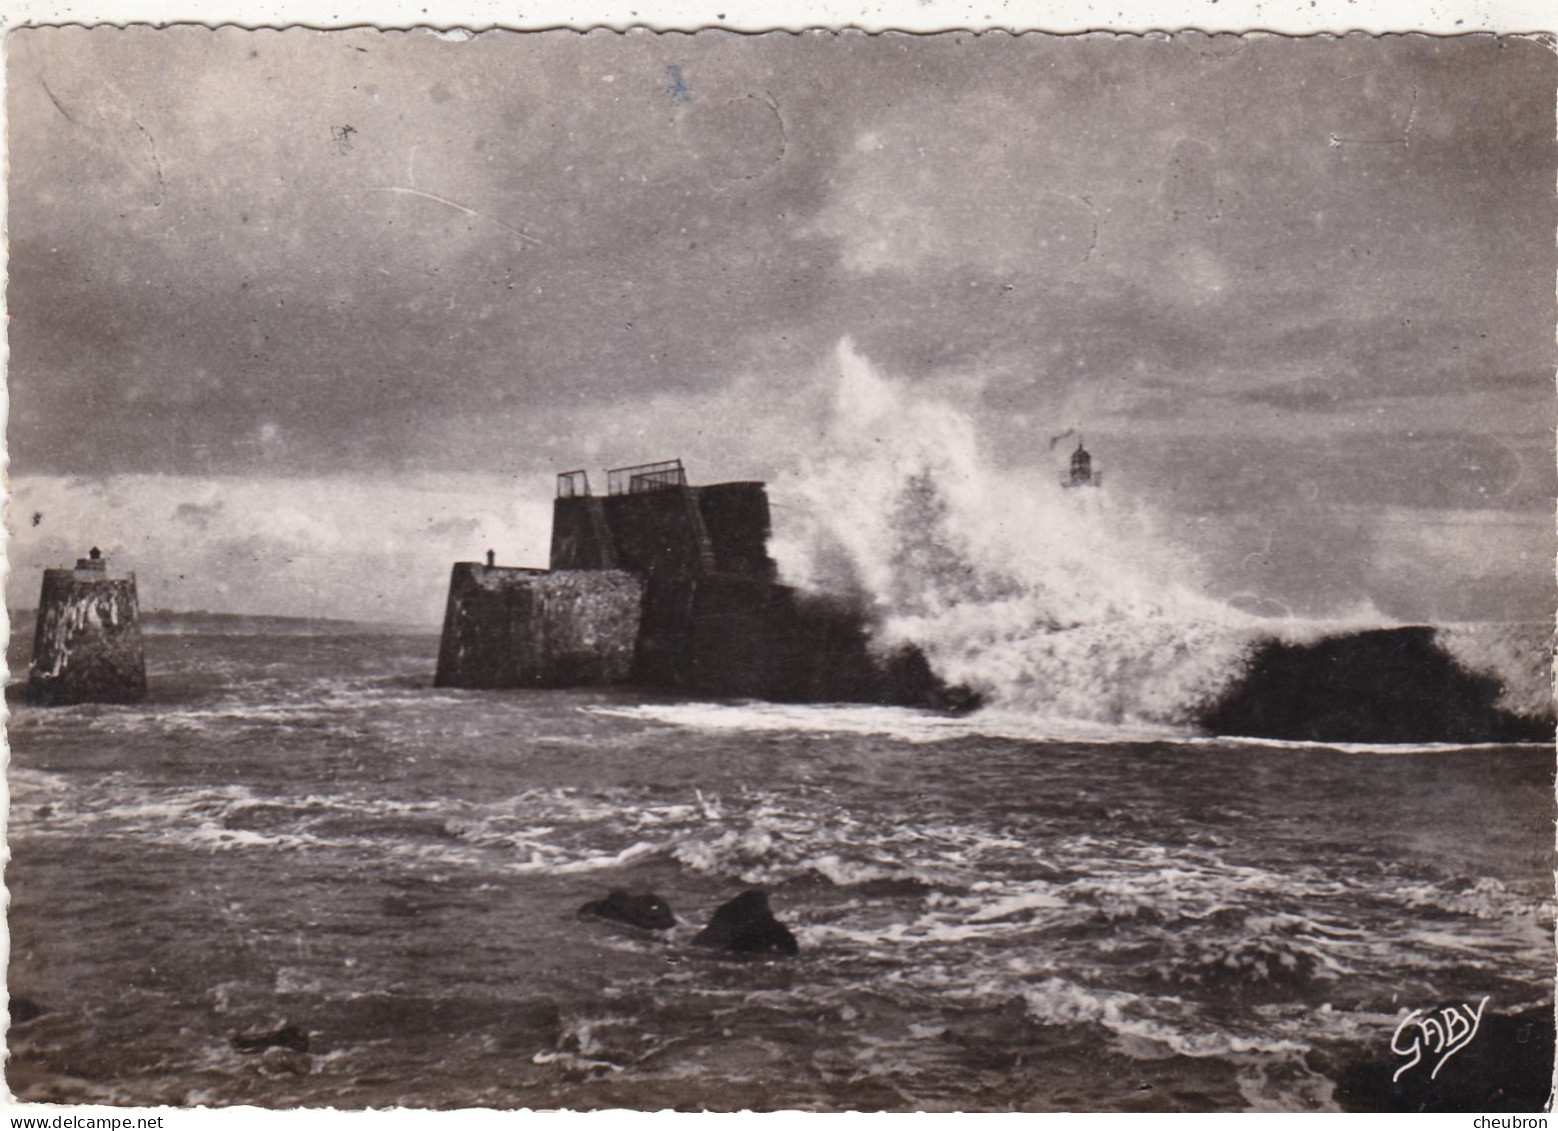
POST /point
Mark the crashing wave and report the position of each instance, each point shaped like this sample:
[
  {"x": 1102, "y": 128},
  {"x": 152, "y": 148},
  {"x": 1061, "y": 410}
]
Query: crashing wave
[{"x": 1070, "y": 604}]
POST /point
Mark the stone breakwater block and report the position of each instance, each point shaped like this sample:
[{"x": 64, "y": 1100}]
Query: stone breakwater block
[
  {"x": 745, "y": 925},
  {"x": 648, "y": 910},
  {"x": 87, "y": 647},
  {"x": 510, "y": 628}
]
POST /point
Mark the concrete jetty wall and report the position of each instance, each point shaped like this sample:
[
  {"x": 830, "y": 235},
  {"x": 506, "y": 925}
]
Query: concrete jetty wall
[
  {"x": 710, "y": 619},
  {"x": 580, "y": 537},
  {"x": 737, "y": 521},
  {"x": 684, "y": 541},
  {"x": 672, "y": 532},
  {"x": 758, "y": 640},
  {"x": 506, "y": 627},
  {"x": 87, "y": 646}
]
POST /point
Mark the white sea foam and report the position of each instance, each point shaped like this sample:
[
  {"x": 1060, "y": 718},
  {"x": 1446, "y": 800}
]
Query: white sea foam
[
  {"x": 1039, "y": 597},
  {"x": 919, "y": 727},
  {"x": 29, "y": 786},
  {"x": 1059, "y": 604},
  {"x": 595, "y": 862},
  {"x": 1381, "y": 748},
  {"x": 902, "y": 723},
  {"x": 1057, "y": 1001},
  {"x": 1519, "y": 655}
]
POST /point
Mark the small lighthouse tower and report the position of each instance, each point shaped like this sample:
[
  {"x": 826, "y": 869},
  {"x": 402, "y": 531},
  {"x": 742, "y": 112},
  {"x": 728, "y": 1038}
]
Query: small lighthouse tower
[
  {"x": 1082, "y": 474},
  {"x": 87, "y": 648}
]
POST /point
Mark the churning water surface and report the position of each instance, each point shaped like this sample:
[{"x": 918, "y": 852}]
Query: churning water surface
[{"x": 994, "y": 913}]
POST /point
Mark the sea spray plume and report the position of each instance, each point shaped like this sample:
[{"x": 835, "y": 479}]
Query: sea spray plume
[
  {"x": 1049, "y": 602},
  {"x": 903, "y": 492},
  {"x": 1519, "y": 655},
  {"x": 1052, "y": 604}
]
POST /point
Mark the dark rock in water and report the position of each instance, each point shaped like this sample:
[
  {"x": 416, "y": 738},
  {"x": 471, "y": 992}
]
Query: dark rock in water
[
  {"x": 844, "y": 666},
  {"x": 647, "y": 910},
  {"x": 908, "y": 681},
  {"x": 1384, "y": 685},
  {"x": 287, "y": 1037},
  {"x": 1506, "y": 1066},
  {"x": 745, "y": 925},
  {"x": 23, "y": 1010}
]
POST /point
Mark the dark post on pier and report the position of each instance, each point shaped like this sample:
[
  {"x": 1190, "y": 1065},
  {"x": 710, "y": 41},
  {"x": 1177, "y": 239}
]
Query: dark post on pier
[{"x": 87, "y": 647}]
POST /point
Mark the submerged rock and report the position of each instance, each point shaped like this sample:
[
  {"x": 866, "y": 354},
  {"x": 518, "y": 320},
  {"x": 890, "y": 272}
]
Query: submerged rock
[
  {"x": 746, "y": 925},
  {"x": 286, "y": 1037},
  {"x": 645, "y": 910}
]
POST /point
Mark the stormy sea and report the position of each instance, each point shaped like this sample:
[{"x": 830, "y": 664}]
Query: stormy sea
[
  {"x": 296, "y": 834},
  {"x": 300, "y": 874}
]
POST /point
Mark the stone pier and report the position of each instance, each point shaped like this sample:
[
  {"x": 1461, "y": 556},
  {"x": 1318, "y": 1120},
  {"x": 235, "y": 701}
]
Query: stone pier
[
  {"x": 512, "y": 627},
  {"x": 87, "y": 647},
  {"x": 669, "y": 585}
]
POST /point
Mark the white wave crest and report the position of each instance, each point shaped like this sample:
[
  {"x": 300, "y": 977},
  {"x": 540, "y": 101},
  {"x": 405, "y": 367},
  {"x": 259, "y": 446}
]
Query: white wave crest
[
  {"x": 1064, "y": 604},
  {"x": 915, "y": 727}
]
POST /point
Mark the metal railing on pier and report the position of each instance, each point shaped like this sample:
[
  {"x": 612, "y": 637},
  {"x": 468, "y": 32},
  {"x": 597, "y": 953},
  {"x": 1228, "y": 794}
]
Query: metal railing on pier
[
  {"x": 645, "y": 477},
  {"x": 572, "y": 484}
]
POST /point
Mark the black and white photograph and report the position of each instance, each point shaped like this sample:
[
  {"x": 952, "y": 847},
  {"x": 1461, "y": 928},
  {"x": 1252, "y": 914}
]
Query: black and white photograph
[{"x": 821, "y": 571}]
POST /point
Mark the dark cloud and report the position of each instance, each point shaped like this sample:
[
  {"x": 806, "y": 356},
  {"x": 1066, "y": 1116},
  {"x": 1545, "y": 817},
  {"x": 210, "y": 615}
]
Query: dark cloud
[
  {"x": 525, "y": 222},
  {"x": 198, "y": 515},
  {"x": 352, "y": 253}
]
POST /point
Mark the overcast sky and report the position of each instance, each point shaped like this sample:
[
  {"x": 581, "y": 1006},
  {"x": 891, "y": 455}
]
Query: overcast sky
[{"x": 299, "y": 318}]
